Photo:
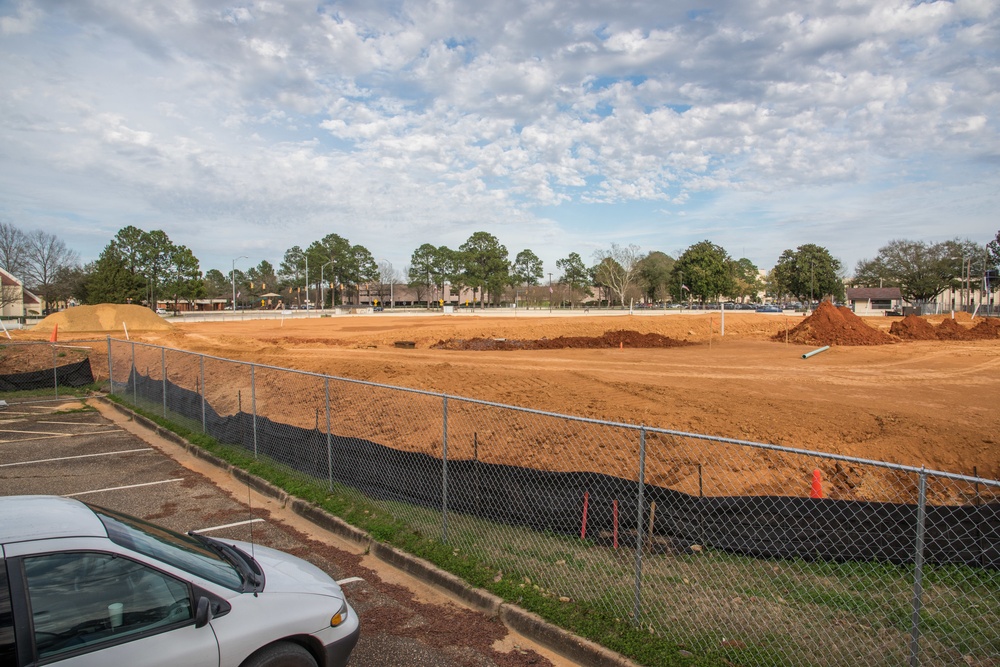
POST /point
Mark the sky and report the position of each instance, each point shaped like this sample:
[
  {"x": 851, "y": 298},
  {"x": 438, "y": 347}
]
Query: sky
[{"x": 559, "y": 126}]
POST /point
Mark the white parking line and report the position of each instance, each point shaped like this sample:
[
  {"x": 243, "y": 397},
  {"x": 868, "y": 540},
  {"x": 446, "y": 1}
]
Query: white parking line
[
  {"x": 46, "y": 435},
  {"x": 81, "y": 456},
  {"x": 119, "y": 488},
  {"x": 227, "y": 525},
  {"x": 349, "y": 580},
  {"x": 61, "y": 423}
]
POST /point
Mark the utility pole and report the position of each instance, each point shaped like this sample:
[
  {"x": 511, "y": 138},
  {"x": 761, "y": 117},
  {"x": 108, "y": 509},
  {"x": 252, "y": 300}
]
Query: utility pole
[{"x": 550, "y": 291}]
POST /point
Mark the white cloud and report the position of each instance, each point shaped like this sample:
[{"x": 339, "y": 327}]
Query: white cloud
[{"x": 425, "y": 121}]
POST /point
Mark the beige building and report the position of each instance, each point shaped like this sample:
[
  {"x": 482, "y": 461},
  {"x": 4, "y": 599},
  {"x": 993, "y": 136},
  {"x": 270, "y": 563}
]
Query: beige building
[
  {"x": 874, "y": 300},
  {"x": 15, "y": 300}
]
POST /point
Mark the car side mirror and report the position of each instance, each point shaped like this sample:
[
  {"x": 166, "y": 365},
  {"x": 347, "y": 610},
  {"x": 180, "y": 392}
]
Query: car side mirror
[{"x": 203, "y": 613}]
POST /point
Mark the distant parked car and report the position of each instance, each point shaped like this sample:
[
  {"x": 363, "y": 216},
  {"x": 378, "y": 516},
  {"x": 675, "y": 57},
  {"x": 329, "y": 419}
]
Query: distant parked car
[
  {"x": 769, "y": 309},
  {"x": 161, "y": 311},
  {"x": 81, "y": 585}
]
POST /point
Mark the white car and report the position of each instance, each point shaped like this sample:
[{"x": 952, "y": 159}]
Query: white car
[
  {"x": 85, "y": 586},
  {"x": 161, "y": 311}
]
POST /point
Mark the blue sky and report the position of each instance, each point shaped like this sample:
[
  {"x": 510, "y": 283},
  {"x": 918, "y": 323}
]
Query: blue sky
[{"x": 243, "y": 128}]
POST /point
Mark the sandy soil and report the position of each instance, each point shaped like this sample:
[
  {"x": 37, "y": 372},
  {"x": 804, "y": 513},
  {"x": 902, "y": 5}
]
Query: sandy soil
[{"x": 930, "y": 403}]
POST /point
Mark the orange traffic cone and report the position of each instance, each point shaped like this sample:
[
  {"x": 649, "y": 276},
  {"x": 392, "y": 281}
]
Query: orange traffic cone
[
  {"x": 55, "y": 334},
  {"x": 817, "y": 485}
]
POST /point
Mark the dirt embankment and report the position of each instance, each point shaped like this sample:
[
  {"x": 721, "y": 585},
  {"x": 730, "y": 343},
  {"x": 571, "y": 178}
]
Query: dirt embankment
[
  {"x": 608, "y": 340},
  {"x": 912, "y": 327},
  {"x": 103, "y": 317},
  {"x": 830, "y": 325}
]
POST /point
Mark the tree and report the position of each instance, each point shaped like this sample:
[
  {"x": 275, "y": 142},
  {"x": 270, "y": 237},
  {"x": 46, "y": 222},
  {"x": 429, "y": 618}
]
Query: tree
[
  {"x": 485, "y": 264},
  {"x": 809, "y": 272},
  {"x": 993, "y": 257},
  {"x": 388, "y": 276},
  {"x": 654, "y": 275},
  {"x": 920, "y": 270},
  {"x": 617, "y": 268},
  {"x": 575, "y": 275},
  {"x": 183, "y": 279},
  {"x": 423, "y": 263},
  {"x": 746, "y": 280},
  {"x": 263, "y": 277},
  {"x": 527, "y": 269},
  {"x": 704, "y": 271},
  {"x": 111, "y": 280},
  {"x": 138, "y": 266},
  {"x": 46, "y": 255},
  {"x": 292, "y": 269},
  {"x": 217, "y": 285},
  {"x": 13, "y": 250}
]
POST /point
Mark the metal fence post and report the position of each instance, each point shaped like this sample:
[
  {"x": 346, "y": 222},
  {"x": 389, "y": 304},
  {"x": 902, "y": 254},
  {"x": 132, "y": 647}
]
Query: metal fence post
[
  {"x": 329, "y": 436},
  {"x": 111, "y": 375},
  {"x": 201, "y": 365},
  {"x": 253, "y": 407},
  {"x": 55, "y": 372},
  {"x": 637, "y": 592},
  {"x": 135, "y": 379},
  {"x": 163, "y": 373},
  {"x": 444, "y": 476},
  {"x": 918, "y": 570}
]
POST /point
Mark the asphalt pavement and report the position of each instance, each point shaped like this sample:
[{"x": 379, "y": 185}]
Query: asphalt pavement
[{"x": 64, "y": 448}]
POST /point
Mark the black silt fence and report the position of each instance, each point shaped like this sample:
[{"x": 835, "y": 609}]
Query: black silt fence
[
  {"x": 759, "y": 526},
  {"x": 70, "y": 375}
]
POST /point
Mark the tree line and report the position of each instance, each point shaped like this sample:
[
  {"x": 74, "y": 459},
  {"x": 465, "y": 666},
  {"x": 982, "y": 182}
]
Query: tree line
[{"x": 146, "y": 267}]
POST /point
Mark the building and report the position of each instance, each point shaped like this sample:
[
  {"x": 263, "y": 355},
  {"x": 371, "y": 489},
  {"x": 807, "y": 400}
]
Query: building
[
  {"x": 15, "y": 300},
  {"x": 874, "y": 300}
]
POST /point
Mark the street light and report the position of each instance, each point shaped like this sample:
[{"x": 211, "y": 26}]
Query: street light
[
  {"x": 322, "y": 293},
  {"x": 233, "y": 274}
]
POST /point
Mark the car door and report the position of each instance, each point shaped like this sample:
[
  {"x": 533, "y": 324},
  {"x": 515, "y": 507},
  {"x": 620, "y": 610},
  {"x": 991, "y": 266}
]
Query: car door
[{"x": 96, "y": 608}]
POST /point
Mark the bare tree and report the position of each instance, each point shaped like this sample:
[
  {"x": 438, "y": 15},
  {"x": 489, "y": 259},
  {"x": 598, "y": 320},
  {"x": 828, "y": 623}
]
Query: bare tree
[
  {"x": 388, "y": 277},
  {"x": 618, "y": 268},
  {"x": 13, "y": 249},
  {"x": 46, "y": 256}
]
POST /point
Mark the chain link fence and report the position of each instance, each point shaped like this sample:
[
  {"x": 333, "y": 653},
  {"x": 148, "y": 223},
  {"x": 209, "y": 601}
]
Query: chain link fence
[{"x": 765, "y": 554}]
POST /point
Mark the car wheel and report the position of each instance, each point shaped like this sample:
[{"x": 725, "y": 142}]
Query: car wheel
[{"x": 282, "y": 654}]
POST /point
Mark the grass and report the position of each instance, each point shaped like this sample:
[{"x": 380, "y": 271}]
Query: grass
[
  {"x": 49, "y": 392},
  {"x": 700, "y": 608}
]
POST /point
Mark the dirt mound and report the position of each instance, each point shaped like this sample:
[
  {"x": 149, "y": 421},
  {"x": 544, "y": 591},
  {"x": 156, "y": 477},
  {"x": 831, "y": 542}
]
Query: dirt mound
[
  {"x": 610, "y": 339},
  {"x": 104, "y": 317},
  {"x": 913, "y": 327},
  {"x": 986, "y": 329},
  {"x": 831, "y": 325},
  {"x": 951, "y": 330}
]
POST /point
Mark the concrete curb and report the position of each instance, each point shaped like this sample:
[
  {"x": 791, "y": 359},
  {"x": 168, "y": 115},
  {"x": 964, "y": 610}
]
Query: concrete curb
[
  {"x": 561, "y": 641},
  {"x": 578, "y": 649}
]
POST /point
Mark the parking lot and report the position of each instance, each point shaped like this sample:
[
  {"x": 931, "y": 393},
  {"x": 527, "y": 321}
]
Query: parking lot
[{"x": 94, "y": 454}]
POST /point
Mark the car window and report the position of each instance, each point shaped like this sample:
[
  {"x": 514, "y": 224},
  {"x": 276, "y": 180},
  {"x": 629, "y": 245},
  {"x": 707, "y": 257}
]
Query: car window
[
  {"x": 83, "y": 599},
  {"x": 181, "y": 551},
  {"x": 7, "y": 651}
]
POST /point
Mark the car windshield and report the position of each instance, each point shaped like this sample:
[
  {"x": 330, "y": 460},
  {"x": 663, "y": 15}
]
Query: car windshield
[{"x": 181, "y": 551}]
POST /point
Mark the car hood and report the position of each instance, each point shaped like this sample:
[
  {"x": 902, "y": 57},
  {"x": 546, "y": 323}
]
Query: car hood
[{"x": 284, "y": 573}]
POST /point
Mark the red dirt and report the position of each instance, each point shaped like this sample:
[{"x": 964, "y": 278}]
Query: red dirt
[
  {"x": 610, "y": 340},
  {"x": 830, "y": 325},
  {"x": 952, "y": 330},
  {"x": 986, "y": 329},
  {"x": 913, "y": 327},
  {"x": 920, "y": 403},
  {"x": 27, "y": 358}
]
